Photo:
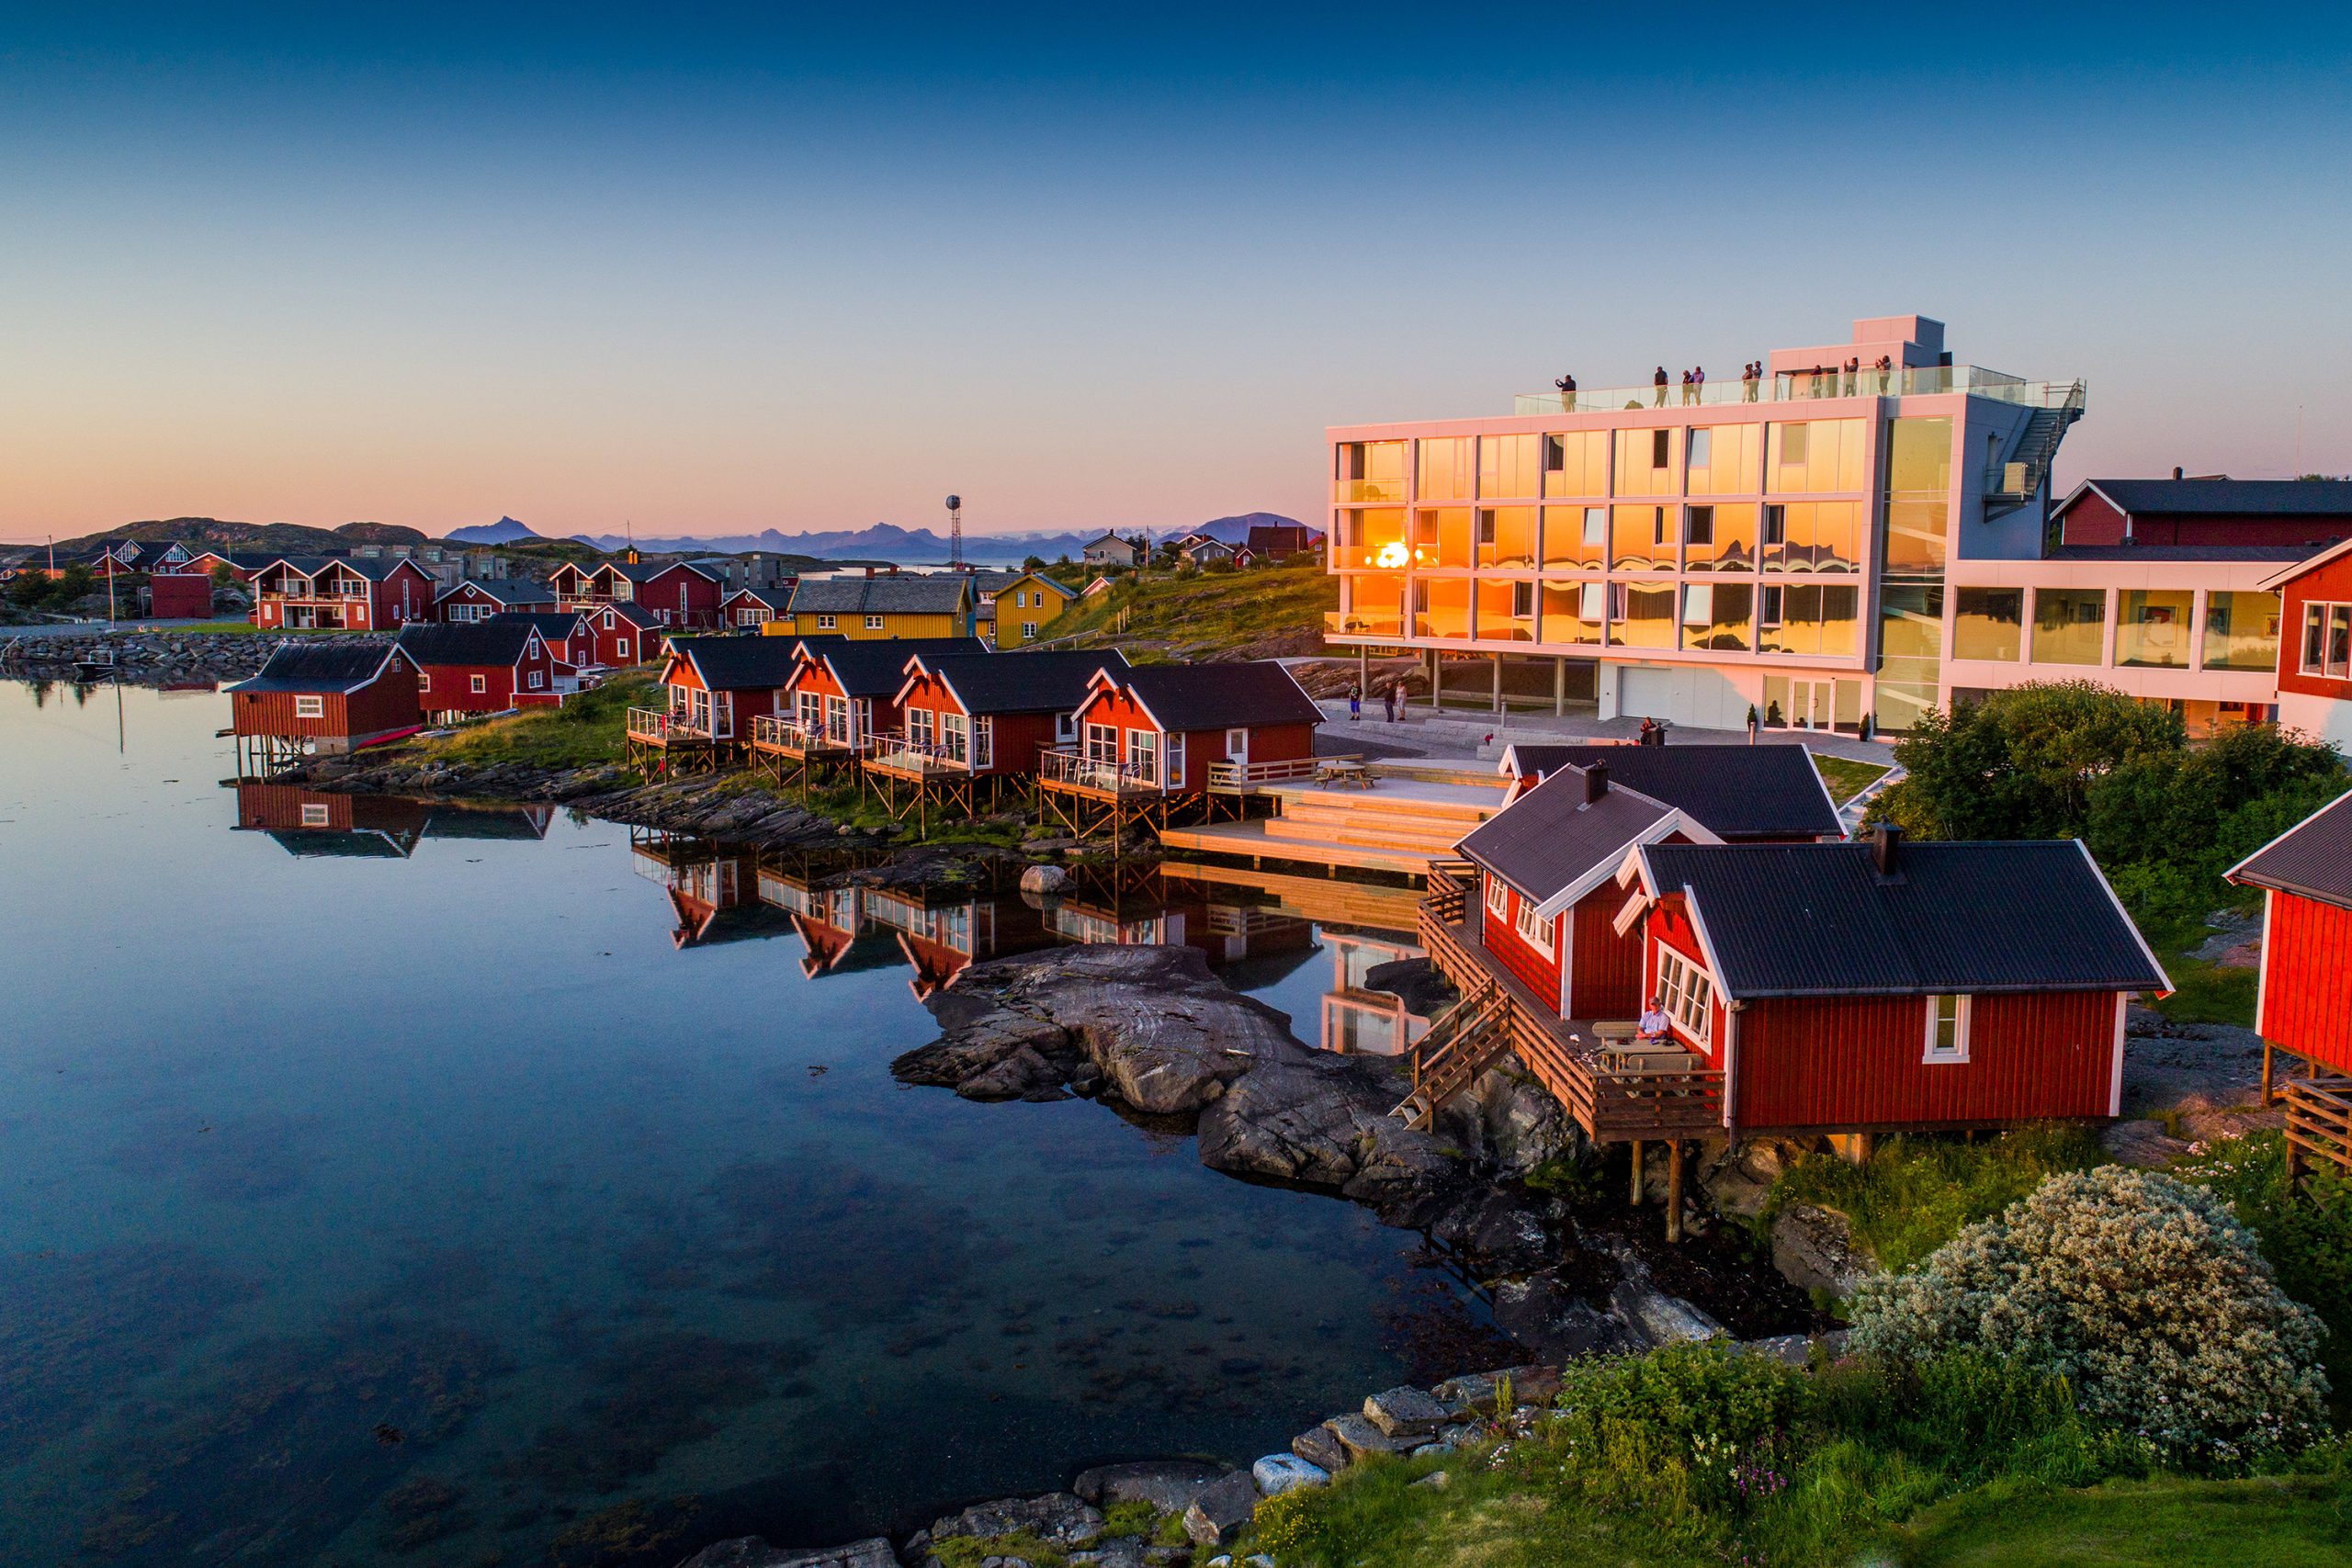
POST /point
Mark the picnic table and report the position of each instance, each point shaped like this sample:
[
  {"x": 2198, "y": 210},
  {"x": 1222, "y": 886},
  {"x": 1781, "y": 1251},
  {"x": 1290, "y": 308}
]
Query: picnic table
[{"x": 1342, "y": 772}]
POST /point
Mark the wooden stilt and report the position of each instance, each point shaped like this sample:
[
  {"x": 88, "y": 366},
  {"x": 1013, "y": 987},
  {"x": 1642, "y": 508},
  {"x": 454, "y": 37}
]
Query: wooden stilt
[
  {"x": 2266, "y": 1094},
  {"x": 1634, "y": 1200},
  {"x": 1674, "y": 1189}
]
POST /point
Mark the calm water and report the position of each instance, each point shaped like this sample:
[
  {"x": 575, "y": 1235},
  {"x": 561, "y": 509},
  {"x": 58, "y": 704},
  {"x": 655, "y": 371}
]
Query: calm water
[{"x": 439, "y": 1192}]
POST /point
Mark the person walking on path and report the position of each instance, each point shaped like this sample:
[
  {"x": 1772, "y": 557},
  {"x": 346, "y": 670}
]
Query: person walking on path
[
  {"x": 1568, "y": 385},
  {"x": 1355, "y": 702},
  {"x": 1658, "y": 383}
]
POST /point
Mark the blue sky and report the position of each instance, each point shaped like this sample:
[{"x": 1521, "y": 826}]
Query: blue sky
[{"x": 711, "y": 269}]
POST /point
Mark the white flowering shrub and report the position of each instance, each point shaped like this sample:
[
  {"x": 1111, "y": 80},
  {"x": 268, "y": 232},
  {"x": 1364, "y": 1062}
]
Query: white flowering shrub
[{"x": 2148, "y": 1296}]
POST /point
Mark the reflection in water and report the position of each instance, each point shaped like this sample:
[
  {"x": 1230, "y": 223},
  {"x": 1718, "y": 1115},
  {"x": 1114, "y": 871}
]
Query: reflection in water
[{"x": 396, "y": 1182}]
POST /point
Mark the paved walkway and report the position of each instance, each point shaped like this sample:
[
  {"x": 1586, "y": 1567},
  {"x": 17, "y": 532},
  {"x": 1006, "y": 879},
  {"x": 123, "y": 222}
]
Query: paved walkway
[{"x": 1458, "y": 733}]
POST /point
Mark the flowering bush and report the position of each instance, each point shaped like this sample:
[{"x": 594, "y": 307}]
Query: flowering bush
[
  {"x": 1689, "y": 1426},
  {"x": 2147, "y": 1296}
]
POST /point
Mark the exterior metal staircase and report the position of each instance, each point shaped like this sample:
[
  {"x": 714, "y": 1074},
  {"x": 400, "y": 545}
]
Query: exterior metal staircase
[
  {"x": 2017, "y": 479},
  {"x": 1461, "y": 1045}
]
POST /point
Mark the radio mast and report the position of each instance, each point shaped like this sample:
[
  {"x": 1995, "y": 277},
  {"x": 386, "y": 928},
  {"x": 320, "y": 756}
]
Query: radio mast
[{"x": 956, "y": 532}]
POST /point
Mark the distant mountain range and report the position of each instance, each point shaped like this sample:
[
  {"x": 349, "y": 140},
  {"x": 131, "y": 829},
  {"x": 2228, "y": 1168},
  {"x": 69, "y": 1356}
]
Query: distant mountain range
[{"x": 505, "y": 531}]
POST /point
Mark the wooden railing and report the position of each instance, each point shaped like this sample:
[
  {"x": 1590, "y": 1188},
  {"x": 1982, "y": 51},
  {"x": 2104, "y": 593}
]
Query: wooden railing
[
  {"x": 1239, "y": 776},
  {"x": 777, "y": 733},
  {"x": 650, "y": 724},
  {"x": 1068, "y": 766},
  {"x": 900, "y": 751},
  {"x": 2319, "y": 1121}
]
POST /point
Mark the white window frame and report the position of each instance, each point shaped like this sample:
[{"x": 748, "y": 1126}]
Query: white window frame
[
  {"x": 1534, "y": 931},
  {"x": 1497, "y": 896},
  {"x": 309, "y": 707},
  {"x": 1102, "y": 744},
  {"x": 825, "y": 623},
  {"x": 314, "y": 813},
  {"x": 1956, "y": 1053},
  {"x": 1143, "y": 754},
  {"x": 874, "y": 623},
  {"x": 921, "y": 726},
  {"x": 955, "y": 736},
  {"x": 538, "y": 680},
  {"x": 423, "y": 681},
  {"x": 480, "y": 684},
  {"x": 1172, "y": 764},
  {"x": 1688, "y": 992},
  {"x": 620, "y": 650},
  {"x": 1028, "y": 631},
  {"x": 984, "y": 742}
]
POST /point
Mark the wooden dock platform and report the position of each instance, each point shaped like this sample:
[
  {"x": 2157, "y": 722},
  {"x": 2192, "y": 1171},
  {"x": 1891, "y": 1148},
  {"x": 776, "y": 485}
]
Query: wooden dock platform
[{"x": 1408, "y": 817}]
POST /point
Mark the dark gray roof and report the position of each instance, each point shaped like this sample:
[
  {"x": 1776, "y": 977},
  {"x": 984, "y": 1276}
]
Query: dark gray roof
[
  {"x": 773, "y": 598},
  {"x": 1547, "y": 839},
  {"x": 498, "y": 642},
  {"x": 1733, "y": 792},
  {"x": 877, "y": 667},
  {"x": 318, "y": 667},
  {"x": 551, "y": 623},
  {"x": 1219, "y": 697},
  {"x": 2227, "y": 498},
  {"x": 1819, "y": 919},
  {"x": 2183, "y": 552},
  {"x": 630, "y": 610},
  {"x": 737, "y": 664},
  {"x": 938, "y": 595},
  {"x": 505, "y": 590},
  {"x": 2314, "y": 858},
  {"x": 646, "y": 570},
  {"x": 1023, "y": 682}
]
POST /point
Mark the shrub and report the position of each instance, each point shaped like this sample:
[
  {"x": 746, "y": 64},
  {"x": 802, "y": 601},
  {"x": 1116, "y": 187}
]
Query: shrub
[
  {"x": 1689, "y": 1427},
  {"x": 2149, "y": 1297},
  {"x": 2306, "y": 1235}
]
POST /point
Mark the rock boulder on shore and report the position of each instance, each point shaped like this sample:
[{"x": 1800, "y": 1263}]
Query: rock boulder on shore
[{"x": 751, "y": 1552}]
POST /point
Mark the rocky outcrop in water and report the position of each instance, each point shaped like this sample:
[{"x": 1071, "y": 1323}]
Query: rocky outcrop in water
[{"x": 144, "y": 658}]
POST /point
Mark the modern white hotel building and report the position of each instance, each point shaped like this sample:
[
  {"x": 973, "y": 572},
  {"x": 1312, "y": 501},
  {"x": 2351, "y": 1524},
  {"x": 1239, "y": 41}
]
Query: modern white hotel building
[{"x": 1787, "y": 543}]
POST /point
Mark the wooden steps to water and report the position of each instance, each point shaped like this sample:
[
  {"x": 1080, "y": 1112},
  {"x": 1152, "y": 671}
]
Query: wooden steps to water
[
  {"x": 1328, "y": 900},
  {"x": 1248, "y": 839}
]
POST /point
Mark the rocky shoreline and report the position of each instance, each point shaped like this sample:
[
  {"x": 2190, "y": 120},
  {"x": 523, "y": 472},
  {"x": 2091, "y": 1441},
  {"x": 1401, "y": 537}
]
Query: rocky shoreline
[{"x": 146, "y": 657}]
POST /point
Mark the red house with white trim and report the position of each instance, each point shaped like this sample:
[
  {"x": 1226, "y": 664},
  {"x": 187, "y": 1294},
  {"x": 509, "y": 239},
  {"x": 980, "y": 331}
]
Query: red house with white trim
[
  {"x": 485, "y": 667},
  {"x": 750, "y": 608},
  {"x": 479, "y": 599},
  {"x": 1166, "y": 726},
  {"x": 2304, "y": 1003},
  {"x": 2315, "y": 644},
  {"x": 846, "y": 689},
  {"x": 990, "y": 715},
  {"x": 337, "y": 593},
  {"x": 717, "y": 685},
  {"x": 329, "y": 696},
  {"x": 620, "y": 635},
  {"x": 566, "y": 633},
  {"x": 679, "y": 594}
]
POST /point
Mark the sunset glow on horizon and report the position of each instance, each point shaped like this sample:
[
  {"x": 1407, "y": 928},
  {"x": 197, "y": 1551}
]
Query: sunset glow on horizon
[{"x": 721, "y": 273}]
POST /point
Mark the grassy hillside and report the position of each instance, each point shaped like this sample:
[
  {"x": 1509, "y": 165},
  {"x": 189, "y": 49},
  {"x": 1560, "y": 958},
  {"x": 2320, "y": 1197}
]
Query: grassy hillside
[{"x": 1192, "y": 615}]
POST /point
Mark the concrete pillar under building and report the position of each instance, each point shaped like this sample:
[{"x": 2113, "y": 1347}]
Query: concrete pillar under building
[
  {"x": 1559, "y": 687},
  {"x": 1498, "y": 682}
]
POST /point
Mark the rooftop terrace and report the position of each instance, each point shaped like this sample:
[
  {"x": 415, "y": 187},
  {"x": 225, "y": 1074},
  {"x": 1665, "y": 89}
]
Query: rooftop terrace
[{"x": 1804, "y": 386}]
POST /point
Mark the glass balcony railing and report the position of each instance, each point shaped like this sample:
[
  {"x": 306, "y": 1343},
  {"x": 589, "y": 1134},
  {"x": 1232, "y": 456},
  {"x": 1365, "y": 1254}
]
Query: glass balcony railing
[{"x": 1805, "y": 386}]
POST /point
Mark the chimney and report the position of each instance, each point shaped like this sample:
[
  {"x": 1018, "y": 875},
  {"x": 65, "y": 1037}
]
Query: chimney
[
  {"x": 2175, "y": 471},
  {"x": 1595, "y": 782},
  {"x": 1886, "y": 848},
  {"x": 869, "y": 573}
]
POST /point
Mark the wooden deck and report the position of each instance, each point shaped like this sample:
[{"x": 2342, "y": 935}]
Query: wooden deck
[
  {"x": 1250, "y": 842},
  {"x": 1613, "y": 1105},
  {"x": 1327, "y": 900}
]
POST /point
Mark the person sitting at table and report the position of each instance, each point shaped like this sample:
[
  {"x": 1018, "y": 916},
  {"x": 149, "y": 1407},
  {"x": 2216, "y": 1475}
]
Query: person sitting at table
[{"x": 1654, "y": 1026}]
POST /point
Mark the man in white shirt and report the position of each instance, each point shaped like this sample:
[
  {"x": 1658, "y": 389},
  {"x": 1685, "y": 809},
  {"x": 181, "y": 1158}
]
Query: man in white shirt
[{"x": 1654, "y": 1025}]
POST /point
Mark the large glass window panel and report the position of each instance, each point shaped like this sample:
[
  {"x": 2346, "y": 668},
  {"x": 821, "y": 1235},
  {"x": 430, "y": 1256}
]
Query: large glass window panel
[
  {"x": 1447, "y": 473},
  {"x": 1373, "y": 604},
  {"x": 1915, "y": 527},
  {"x": 1442, "y": 606},
  {"x": 1576, "y": 463},
  {"x": 1639, "y": 538},
  {"x": 1507, "y": 535},
  {"x": 1821, "y": 455},
  {"x": 1508, "y": 465},
  {"x": 1785, "y": 447},
  {"x": 1988, "y": 623},
  {"x": 2314, "y": 639},
  {"x": 1841, "y": 620},
  {"x": 2151, "y": 627},
  {"x": 1371, "y": 538},
  {"x": 1368, "y": 470},
  {"x": 1726, "y": 542},
  {"x": 1722, "y": 459},
  {"x": 2339, "y": 639},
  {"x": 1642, "y": 615},
  {"x": 1646, "y": 461},
  {"x": 1506, "y": 609},
  {"x": 1918, "y": 456},
  {"x": 1575, "y": 535},
  {"x": 1809, "y": 618},
  {"x": 2240, "y": 631},
  {"x": 1574, "y": 611},
  {"x": 1716, "y": 614},
  {"x": 1445, "y": 537},
  {"x": 2069, "y": 626}
]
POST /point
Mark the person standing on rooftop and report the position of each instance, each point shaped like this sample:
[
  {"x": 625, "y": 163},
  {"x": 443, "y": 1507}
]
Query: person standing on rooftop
[
  {"x": 1658, "y": 383},
  {"x": 1568, "y": 385},
  {"x": 1699, "y": 383},
  {"x": 1686, "y": 388},
  {"x": 1853, "y": 367},
  {"x": 1885, "y": 372}
]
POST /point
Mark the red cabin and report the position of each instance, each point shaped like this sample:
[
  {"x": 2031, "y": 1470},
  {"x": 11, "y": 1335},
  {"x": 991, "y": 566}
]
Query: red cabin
[
  {"x": 485, "y": 667},
  {"x": 1745, "y": 794},
  {"x": 620, "y": 635},
  {"x": 718, "y": 685},
  {"x": 333, "y": 593},
  {"x": 2303, "y": 1004},
  {"x": 678, "y": 594},
  {"x": 329, "y": 696},
  {"x": 1165, "y": 726},
  {"x": 479, "y": 600},
  {"x": 748, "y": 609},
  {"x": 2213, "y": 509},
  {"x": 1882, "y": 986},
  {"x": 847, "y": 690},
  {"x": 990, "y": 715},
  {"x": 179, "y": 595},
  {"x": 565, "y": 632},
  {"x": 2315, "y": 645}
]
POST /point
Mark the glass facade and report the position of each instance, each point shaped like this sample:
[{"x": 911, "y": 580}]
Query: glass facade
[
  {"x": 1912, "y": 554},
  {"x": 1817, "y": 455},
  {"x": 1576, "y": 463},
  {"x": 2151, "y": 627},
  {"x": 2069, "y": 626},
  {"x": 1508, "y": 465},
  {"x": 1371, "y": 539},
  {"x": 1576, "y": 537},
  {"x": 2241, "y": 631},
  {"x": 1645, "y": 461},
  {"x": 1447, "y": 471},
  {"x": 1715, "y": 616},
  {"x": 1722, "y": 459},
  {"x": 1641, "y": 539},
  {"x": 1372, "y": 603},
  {"x": 1368, "y": 470},
  {"x": 1574, "y": 612},
  {"x": 1813, "y": 536},
  {"x": 1988, "y": 623},
  {"x": 1506, "y": 537},
  {"x": 1642, "y": 615}
]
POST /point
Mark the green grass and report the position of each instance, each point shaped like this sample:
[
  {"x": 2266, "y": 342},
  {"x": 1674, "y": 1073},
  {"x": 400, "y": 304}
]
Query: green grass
[
  {"x": 1190, "y": 614},
  {"x": 1914, "y": 1193},
  {"x": 2204, "y": 992},
  {"x": 221, "y": 628},
  {"x": 1846, "y": 777},
  {"x": 2279, "y": 1522},
  {"x": 587, "y": 732}
]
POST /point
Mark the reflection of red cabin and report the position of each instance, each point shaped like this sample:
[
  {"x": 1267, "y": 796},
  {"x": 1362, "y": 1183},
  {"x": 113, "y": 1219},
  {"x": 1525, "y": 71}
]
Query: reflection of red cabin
[
  {"x": 333, "y": 696},
  {"x": 847, "y": 690},
  {"x": 2303, "y": 1004},
  {"x": 485, "y": 667},
  {"x": 991, "y": 714},
  {"x": 479, "y": 600},
  {"x": 622, "y": 634},
  {"x": 1168, "y": 723},
  {"x": 1847, "y": 987}
]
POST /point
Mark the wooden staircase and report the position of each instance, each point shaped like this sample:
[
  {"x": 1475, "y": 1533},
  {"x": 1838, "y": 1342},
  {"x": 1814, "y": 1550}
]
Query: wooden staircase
[
  {"x": 1465, "y": 1041},
  {"x": 1376, "y": 820},
  {"x": 2319, "y": 1124}
]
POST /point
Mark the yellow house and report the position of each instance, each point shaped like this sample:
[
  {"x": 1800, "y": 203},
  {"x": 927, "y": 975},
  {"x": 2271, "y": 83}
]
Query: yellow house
[
  {"x": 888, "y": 605},
  {"x": 1023, "y": 607}
]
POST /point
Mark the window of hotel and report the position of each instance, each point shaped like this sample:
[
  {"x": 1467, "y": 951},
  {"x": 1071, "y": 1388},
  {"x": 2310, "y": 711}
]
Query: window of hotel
[
  {"x": 1809, "y": 618},
  {"x": 1443, "y": 537},
  {"x": 1645, "y": 462},
  {"x": 1506, "y": 465},
  {"x": 2152, "y": 626},
  {"x": 1369, "y": 470},
  {"x": 1373, "y": 603},
  {"x": 2069, "y": 626},
  {"x": 2327, "y": 639},
  {"x": 1730, "y": 545},
  {"x": 1372, "y": 540},
  {"x": 1497, "y": 896},
  {"x": 1638, "y": 537},
  {"x": 1818, "y": 454},
  {"x": 1640, "y": 615},
  {"x": 1946, "y": 1030},
  {"x": 1687, "y": 993},
  {"x": 1507, "y": 535},
  {"x": 1576, "y": 464},
  {"x": 1715, "y": 616},
  {"x": 1722, "y": 459},
  {"x": 2240, "y": 631},
  {"x": 1535, "y": 932},
  {"x": 1446, "y": 472},
  {"x": 1575, "y": 535},
  {"x": 1813, "y": 536},
  {"x": 1988, "y": 623},
  {"x": 1699, "y": 526},
  {"x": 1442, "y": 606},
  {"x": 1573, "y": 612},
  {"x": 1499, "y": 615},
  {"x": 1919, "y": 493}
]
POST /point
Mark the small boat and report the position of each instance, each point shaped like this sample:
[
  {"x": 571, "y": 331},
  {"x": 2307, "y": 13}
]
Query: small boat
[{"x": 93, "y": 669}]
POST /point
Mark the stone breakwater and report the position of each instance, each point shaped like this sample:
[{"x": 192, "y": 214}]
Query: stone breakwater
[
  {"x": 1181, "y": 1513},
  {"x": 148, "y": 657}
]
